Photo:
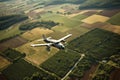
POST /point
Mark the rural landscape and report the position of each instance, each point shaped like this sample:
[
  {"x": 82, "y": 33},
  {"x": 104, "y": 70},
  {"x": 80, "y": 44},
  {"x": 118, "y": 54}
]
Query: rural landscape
[{"x": 91, "y": 53}]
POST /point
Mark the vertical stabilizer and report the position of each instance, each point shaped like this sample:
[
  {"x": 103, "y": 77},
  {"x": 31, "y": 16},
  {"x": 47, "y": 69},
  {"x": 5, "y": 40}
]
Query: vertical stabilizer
[{"x": 44, "y": 37}]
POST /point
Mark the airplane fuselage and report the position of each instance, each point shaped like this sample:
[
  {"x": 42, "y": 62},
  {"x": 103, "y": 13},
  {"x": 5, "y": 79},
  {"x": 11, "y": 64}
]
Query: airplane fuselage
[
  {"x": 56, "y": 44},
  {"x": 59, "y": 45}
]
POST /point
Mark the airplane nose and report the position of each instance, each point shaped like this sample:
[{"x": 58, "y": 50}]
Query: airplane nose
[{"x": 63, "y": 47}]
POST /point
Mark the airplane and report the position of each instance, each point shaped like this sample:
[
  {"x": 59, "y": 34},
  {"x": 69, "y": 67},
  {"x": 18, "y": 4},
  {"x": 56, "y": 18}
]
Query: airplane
[{"x": 52, "y": 42}]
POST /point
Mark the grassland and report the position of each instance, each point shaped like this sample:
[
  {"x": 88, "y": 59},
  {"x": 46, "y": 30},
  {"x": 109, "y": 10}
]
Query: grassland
[{"x": 115, "y": 19}]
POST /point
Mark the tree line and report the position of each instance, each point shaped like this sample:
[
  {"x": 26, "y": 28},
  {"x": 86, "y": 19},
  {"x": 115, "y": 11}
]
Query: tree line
[{"x": 45, "y": 24}]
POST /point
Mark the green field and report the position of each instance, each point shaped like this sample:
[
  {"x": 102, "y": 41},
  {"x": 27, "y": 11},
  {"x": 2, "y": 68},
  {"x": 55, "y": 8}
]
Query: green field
[
  {"x": 79, "y": 17},
  {"x": 10, "y": 32},
  {"x": 96, "y": 39},
  {"x": 12, "y": 54},
  {"x": 115, "y": 19},
  {"x": 98, "y": 45},
  {"x": 65, "y": 22},
  {"x": 61, "y": 62},
  {"x": 22, "y": 70}
]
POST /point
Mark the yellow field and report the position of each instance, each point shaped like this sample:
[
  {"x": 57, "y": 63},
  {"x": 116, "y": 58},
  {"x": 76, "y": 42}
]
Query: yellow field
[
  {"x": 38, "y": 10},
  {"x": 112, "y": 28},
  {"x": 82, "y": 12},
  {"x": 36, "y": 55},
  {"x": 61, "y": 10},
  {"x": 36, "y": 33},
  {"x": 3, "y": 63},
  {"x": 95, "y": 18}
]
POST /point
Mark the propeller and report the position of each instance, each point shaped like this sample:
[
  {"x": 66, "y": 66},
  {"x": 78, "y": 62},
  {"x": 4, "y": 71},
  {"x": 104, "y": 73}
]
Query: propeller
[
  {"x": 66, "y": 44},
  {"x": 48, "y": 48}
]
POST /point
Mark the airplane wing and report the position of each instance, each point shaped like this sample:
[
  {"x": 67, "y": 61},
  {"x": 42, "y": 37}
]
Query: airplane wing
[
  {"x": 62, "y": 39},
  {"x": 37, "y": 45}
]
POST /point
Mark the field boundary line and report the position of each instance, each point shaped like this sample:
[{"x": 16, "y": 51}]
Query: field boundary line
[{"x": 50, "y": 73}]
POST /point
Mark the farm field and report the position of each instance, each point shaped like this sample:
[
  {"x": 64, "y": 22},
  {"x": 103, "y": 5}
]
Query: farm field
[
  {"x": 12, "y": 55},
  {"x": 95, "y": 18},
  {"x": 61, "y": 62},
  {"x": 112, "y": 28},
  {"x": 10, "y": 32},
  {"x": 102, "y": 38},
  {"x": 88, "y": 74},
  {"x": 7, "y": 21},
  {"x": 115, "y": 74},
  {"x": 110, "y": 69},
  {"x": 25, "y": 71},
  {"x": 81, "y": 45},
  {"x": 65, "y": 22},
  {"x": 36, "y": 55},
  {"x": 95, "y": 49},
  {"x": 84, "y": 12},
  {"x": 95, "y": 33},
  {"x": 90, "y": 13},
  {"x": 109, "y": 13},
  {"x": 36, "y": 33},
  {"x": 62, "y": 8},
  {"x": 3, "y": 63},
  {"x": 12, "y": 43},
  {"x": 101, "y": 25},
  {"x": 115, "y": 19}
]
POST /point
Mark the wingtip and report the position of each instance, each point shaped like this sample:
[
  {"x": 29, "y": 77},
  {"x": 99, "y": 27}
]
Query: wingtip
[
  {"x": 32, "y": 45},
  {"x": 70, "y": 34}
]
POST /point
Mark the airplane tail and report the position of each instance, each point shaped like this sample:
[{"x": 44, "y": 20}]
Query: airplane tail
[{"x": 44, "y": 37}]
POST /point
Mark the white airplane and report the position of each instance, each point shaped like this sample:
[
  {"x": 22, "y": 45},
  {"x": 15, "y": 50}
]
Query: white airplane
[{"x": 52, "y": 42}]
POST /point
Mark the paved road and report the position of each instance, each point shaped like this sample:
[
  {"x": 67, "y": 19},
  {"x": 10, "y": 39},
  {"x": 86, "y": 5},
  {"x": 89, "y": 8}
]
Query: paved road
[{"x": 82, "y": 55}]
